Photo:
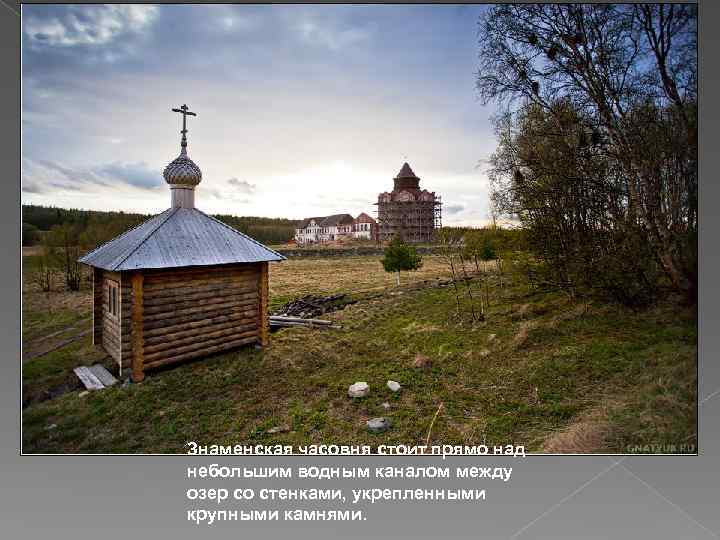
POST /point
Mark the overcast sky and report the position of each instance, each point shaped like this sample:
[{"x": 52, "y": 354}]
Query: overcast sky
[{"x": 302, "y": 110}]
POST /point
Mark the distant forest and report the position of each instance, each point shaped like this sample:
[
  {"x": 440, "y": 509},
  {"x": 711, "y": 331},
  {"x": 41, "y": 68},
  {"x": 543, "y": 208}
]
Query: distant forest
[{"x": 94, "y": 227}]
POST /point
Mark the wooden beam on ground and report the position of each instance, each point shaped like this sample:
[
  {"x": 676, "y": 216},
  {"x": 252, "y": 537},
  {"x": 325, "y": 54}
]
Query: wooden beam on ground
[{"x": 299, "y": 319}]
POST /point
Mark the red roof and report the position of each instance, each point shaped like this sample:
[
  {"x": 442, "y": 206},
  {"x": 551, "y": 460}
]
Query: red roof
[{"x": 406, "y": 172}]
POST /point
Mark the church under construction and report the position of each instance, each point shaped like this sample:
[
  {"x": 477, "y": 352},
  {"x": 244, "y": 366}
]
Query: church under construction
[{"x": 409, "y": 211}]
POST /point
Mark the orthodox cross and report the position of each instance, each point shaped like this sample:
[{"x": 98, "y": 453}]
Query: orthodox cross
[{"x": 185, "y": 112}]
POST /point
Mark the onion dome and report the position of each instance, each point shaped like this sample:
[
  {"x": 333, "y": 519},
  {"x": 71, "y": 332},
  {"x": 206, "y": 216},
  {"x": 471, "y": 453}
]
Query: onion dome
[{"x": 182, "y": 170}]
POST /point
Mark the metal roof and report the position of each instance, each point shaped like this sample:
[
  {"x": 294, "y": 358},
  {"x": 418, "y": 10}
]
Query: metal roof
[
  {"x": 178, "y": 237},
  {"x": 336, "y": 219}
]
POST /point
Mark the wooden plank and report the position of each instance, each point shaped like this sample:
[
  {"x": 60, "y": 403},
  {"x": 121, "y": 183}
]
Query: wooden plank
[
  {"x": 88, "y": 378},
  {"x": 202, "y": 352},
  {"x": 299, "y": 320},
  {"x": 263, "y": 323},
  {"x": 137, "y": 327},
  {"x": 103, "y": 375}
]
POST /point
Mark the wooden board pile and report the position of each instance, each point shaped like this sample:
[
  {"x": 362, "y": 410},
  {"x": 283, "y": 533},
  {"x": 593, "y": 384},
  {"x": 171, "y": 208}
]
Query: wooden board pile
[{"x": 303, "y": 311}]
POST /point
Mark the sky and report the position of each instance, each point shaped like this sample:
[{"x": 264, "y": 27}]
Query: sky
[{"x": 302, "y": 110}]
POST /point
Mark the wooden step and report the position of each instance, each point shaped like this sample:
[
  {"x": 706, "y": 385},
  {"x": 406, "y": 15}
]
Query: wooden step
[
  {"x": 88, "y": 378},
  {"x": 103, "y": 374}
]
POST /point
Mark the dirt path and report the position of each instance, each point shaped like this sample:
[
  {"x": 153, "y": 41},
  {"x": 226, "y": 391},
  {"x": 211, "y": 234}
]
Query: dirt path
[{"x": 31, "y": 351}]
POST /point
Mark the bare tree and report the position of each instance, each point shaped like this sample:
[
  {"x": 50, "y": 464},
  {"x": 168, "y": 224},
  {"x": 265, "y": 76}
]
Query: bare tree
[{"x": 630, "y": 74}]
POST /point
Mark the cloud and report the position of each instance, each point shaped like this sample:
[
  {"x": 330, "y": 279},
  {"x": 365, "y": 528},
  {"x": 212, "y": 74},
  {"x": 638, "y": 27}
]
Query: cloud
[
  {"x": 242, "y": 186},
  {"x": 70, "y": 26},
  {"x": 221, "y": 196},
  {"x": 330, "y": 33},
  {"x": 134, "y": 174},
  {"x": 45, "y": 176},
  {"x": 452, "y": 209}
]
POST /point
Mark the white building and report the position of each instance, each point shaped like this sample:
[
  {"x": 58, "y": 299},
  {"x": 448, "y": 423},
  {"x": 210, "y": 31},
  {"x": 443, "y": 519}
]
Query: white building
[{"x": 335, "y": 227}]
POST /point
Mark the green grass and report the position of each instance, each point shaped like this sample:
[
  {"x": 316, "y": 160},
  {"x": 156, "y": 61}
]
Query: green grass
[{"x": 523, "y": 391}]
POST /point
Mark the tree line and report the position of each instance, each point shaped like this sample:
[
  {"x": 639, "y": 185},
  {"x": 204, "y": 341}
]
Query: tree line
[
  {"x": 65, "y": 234},
  {"x": 597, "y": 141},
  {"x": 91, "y": 228}
]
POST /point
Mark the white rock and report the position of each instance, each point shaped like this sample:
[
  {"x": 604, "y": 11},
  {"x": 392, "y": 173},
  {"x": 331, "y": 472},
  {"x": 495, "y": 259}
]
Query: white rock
[
  {"x": 51, "y": 426},
  {"x": 83, "y": 393},
  {"x": 359, "y": 389},
  {"x": 386, "y": 406},
  {"x": 394, "y": 386},
  {"x": 378, "y": 425}
]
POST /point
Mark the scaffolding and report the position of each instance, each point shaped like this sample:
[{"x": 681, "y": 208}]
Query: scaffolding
[{"x": 416, "y": 220}]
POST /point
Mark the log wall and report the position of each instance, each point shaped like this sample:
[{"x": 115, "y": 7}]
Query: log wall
[{"x": 192, "y": 312}]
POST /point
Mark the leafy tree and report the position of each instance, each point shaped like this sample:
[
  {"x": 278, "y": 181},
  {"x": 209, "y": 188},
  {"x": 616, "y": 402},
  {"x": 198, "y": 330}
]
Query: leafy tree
[{"x": 399, "y": 256}]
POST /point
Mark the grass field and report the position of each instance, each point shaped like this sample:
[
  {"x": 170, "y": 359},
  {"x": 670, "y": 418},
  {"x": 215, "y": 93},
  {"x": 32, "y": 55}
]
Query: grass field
[{"x": 557, "y": 376}]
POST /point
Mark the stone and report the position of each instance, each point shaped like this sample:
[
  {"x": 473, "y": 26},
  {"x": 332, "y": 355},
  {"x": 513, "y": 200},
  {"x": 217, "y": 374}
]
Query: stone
[
  {"x": 484, "y": 353},
  {"x": 378, "y": 425},
  {"x": 386, "y": 406},
  {"x": 358, "y": 390},
  {"x": 83, "y": 393},
  {"x": 422, "y": 361},
  {"x": 278, "y": 429},
  {"x": 394, "y": 386},
  {"x": 51, "y": 426},
  {"x": 491, "y": 338}
]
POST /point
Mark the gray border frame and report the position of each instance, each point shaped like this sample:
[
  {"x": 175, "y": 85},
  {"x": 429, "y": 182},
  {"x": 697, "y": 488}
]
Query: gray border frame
[{"x": 548, "y": 497}]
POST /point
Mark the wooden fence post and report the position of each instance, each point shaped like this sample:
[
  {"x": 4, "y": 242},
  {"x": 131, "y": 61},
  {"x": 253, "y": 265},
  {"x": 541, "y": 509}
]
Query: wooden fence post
[{"x": 137, "y": 328}]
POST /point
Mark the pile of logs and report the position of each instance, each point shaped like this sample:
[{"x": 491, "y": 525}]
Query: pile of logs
[
  {"x": 313, "y": 306},
  {"x": 303, "y": 311}
]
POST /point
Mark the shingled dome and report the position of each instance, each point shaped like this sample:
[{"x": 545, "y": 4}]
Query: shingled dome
[{"x": 182, "y": 171}]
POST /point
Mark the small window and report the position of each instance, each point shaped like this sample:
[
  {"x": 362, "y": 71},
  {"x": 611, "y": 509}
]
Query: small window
[{"x": 113, "y": 305}]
